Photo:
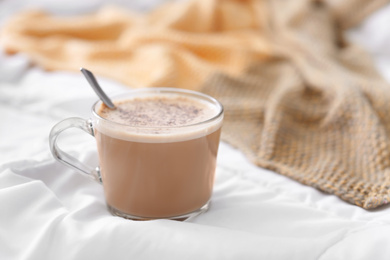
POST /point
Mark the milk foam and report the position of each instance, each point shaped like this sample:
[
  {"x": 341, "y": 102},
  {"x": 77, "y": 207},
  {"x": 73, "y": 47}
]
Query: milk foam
[{"x": 158, "y": 118}]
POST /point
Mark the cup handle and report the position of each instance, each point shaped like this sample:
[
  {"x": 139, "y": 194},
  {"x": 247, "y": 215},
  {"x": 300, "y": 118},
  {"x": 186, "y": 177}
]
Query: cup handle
[{"x": 65, "y": 158}]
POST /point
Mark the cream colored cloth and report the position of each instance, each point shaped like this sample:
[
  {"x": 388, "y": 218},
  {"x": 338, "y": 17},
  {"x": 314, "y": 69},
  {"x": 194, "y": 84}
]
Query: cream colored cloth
[
  {"x": 299, "y": 100},
  {"x": 178, "y": 45}
]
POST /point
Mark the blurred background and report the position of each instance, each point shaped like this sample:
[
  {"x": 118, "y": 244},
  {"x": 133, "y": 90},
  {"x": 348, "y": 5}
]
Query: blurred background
[{"x": 248, "y": 198}]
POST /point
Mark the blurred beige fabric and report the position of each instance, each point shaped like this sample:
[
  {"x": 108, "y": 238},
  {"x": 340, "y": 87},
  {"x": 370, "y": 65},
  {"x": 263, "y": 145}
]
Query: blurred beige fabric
[
  {"x": 299, "y": 99},
  {"x": 177, "y": 45}
]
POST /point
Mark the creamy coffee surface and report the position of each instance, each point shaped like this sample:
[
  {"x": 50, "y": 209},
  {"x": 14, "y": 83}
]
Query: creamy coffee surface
[
  {"x": 158, "y": 111},
  {"x": 158, "y": 118}
]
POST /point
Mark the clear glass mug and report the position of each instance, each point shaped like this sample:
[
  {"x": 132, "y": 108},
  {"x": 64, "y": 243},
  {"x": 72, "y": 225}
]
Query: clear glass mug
[{"x": 150, "y": 172}]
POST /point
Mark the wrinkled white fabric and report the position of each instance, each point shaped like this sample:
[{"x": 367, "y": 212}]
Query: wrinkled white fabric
[{"x": 49, "y": 211}]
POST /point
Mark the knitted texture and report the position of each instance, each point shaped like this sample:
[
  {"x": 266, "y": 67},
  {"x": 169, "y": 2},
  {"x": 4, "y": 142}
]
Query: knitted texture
[{"x": 299, "y": 100}]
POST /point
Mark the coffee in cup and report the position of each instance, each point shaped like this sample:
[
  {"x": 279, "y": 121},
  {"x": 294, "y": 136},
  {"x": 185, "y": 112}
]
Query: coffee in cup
[{"x": 157, "y": 152}]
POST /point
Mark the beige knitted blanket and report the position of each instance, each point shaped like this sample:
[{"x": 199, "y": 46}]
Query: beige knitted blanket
[{"x": 299, "y": 100}]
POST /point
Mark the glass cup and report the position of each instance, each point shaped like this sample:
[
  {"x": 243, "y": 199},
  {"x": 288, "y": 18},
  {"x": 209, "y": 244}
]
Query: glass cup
[{"x": 150, "y": 172}]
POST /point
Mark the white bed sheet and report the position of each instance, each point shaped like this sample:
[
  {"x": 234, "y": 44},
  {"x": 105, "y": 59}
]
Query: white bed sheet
[{"x": 48, "y": 211}]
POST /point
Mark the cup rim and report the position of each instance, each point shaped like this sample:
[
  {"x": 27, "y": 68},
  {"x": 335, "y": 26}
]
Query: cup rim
[{"x": 157, "y": 90}]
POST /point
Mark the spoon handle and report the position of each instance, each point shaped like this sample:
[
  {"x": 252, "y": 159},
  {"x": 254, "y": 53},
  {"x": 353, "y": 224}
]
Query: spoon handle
[{"x": 98, "y": 90}]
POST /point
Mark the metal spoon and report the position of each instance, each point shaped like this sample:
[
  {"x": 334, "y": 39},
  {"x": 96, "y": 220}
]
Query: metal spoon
[{"x": 98, "y": 90}]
